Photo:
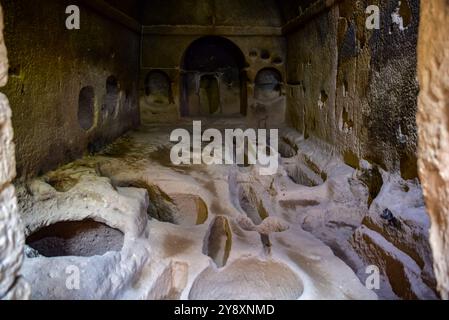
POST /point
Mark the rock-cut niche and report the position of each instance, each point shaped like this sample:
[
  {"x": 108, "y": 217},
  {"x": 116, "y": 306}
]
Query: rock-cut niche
[{"x": 213, "y": 78}]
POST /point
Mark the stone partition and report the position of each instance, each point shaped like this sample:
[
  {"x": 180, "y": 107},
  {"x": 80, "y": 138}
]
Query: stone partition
[{"x": 433, "y": 124}]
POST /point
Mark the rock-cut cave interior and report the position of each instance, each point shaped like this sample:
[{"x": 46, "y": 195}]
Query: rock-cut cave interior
[{"x": 93, "y": 206}]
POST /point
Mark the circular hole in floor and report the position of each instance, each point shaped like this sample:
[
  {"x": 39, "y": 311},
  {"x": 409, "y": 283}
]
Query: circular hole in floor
[
  {"x": 248, "y": 279},
  {"x": 218, "y": 242},
  {"x": 85, "y": 238},
  {"x": 286, "y": 150},
  {"x": 303, "y": 175},
  {"x": 176, "y": 208},
  {"x": 192, "y": 210}
]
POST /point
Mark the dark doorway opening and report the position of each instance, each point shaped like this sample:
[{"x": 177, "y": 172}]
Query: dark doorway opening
[
  {"x": 210, "y": 95},
  {"x": 213, "y": 79},
  {"x": 86, "y": 108}
]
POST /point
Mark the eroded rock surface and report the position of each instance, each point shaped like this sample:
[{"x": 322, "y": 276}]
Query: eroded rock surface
[
  {"x": 11, "y": 229},
  {"x": 215, "y": 237},
  {"x": 434, "y": 132}
]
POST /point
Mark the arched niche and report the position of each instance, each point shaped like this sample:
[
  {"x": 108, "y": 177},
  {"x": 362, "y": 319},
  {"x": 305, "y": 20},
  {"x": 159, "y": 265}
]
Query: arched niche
[
  {"x": 158, "y": 87},
  {"x": 112, "y": 97},
  {"x": 268, "y": 84},
  {"x": 213, "y": 80},
  {"x": 86, "y": 108}
]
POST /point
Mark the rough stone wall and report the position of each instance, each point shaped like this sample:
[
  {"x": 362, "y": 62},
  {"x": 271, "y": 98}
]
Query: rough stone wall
[
  {"x": 433, "y": 120},
  {"x": 11, "y": 230},
  {"x": 49, "y": 65},
  {"x": 212, "y": 12},
  {"x": 357, "y": 88},
  {"x": 128, "y": 7}
]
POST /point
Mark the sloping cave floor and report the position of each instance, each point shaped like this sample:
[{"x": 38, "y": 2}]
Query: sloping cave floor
[{"x": 134, "y": 226}]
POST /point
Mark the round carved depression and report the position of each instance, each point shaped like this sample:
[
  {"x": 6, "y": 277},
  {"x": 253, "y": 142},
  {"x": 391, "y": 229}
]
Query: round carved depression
[{"x": 248, "y": 279}]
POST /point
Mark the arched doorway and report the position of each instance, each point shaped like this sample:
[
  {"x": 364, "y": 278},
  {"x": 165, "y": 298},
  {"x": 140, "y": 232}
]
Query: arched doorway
[{"x": 213, "y": 78}]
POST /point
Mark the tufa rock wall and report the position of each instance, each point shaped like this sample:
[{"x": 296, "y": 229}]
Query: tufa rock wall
[
  {"x": 71, "y": 91},
  {"x": 209, "y": 12},
  {"x": 433, "y": 117},
  {"x": 356, "y": 88},
  {"x": 11, "y": 231}
]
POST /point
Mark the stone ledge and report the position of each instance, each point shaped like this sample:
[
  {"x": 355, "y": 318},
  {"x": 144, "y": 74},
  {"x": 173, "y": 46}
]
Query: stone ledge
[
  {"x": 311, "y": 12},
  {"x": 106, "y": 10},
  {"x": 198, "y": 30}
]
